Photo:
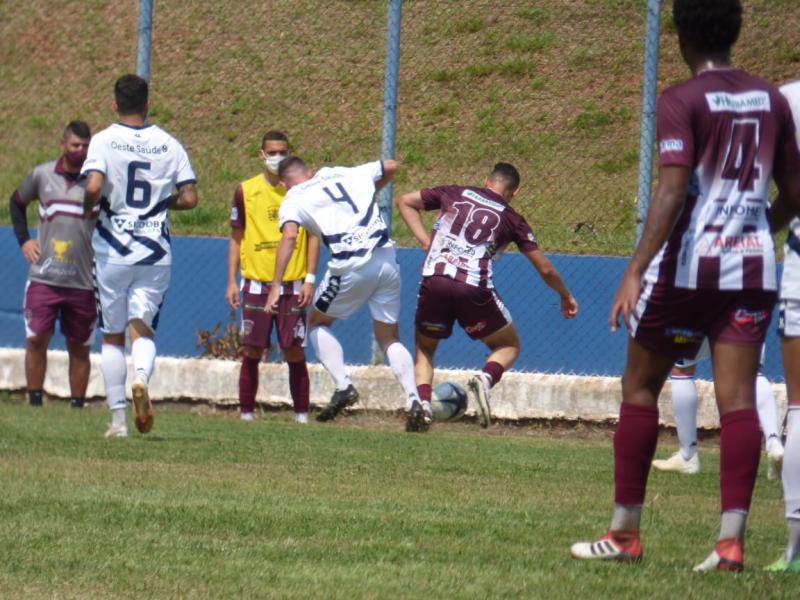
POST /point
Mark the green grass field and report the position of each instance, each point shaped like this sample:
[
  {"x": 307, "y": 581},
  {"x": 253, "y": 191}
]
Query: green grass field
[{"x": 208, "y": 506}]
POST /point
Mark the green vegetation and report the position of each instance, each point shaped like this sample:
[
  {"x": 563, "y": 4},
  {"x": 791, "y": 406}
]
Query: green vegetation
[
  {"x": 215, "y": 507},
  {"x": 563, "y": 81}
]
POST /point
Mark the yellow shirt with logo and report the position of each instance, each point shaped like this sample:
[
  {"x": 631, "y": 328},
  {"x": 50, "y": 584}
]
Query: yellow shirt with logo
[{"x": 259, "y": 203}]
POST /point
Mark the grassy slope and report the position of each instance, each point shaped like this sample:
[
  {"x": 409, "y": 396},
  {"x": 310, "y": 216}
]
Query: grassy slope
[
  {"x": 214, "y": 507},
  {"x": 551, "y": 86}
]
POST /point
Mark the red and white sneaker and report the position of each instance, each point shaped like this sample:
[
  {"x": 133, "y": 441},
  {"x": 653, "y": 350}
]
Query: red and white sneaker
[
  {"x": 622, "y": 546},
  {"x": 728, "y": 555}
]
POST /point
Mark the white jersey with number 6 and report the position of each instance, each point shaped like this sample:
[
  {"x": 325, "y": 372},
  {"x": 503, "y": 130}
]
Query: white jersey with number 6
[
  {"x": 142, "y": 166},
  {"x": 338, "y": 206}
]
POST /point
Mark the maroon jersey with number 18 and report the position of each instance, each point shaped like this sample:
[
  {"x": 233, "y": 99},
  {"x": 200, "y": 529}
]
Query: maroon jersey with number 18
[{"x": 473, "y": 227}]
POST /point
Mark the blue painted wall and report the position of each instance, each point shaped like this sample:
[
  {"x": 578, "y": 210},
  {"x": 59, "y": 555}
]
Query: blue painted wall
[{"x": 549, "y": 343}]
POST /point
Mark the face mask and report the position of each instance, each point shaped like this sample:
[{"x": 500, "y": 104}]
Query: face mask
[
  {"x": 272, "y": 162},
  {"x": 76, "y": 157}
]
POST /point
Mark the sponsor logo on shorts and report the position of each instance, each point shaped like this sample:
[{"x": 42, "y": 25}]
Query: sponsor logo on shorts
[
  {"x": 247, "y": 327},
  {"x": 671, "y": 145},
  {"x": 478, "y": 327},
  {"x": 683, "y": 336},
  {"x": 433, "y": 326},
  {"x": 742, "y": 316}
]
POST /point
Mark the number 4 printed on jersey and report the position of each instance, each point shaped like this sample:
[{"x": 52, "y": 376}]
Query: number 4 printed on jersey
[{"x": 740, "y": 163}]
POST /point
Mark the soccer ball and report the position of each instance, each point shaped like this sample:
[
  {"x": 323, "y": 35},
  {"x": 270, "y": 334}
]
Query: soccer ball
[{"x": 448, "y": 401}]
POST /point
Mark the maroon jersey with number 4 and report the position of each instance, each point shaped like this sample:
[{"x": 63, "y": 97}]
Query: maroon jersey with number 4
[{"x": 473, "y": 227}]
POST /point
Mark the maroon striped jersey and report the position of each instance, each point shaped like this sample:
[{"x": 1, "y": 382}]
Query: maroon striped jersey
[
  {"x": 473, "y": 227},
  {"x": 733, "y": 130}
]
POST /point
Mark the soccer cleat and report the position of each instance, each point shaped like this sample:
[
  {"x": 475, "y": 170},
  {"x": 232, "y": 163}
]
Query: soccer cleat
[
  {"x": 621, "y": 546},
  {"x": 76, "y": 402},
  {"x": 339, "y": 401},
  {"x": 728, "y": 555},
  {"x": 480, "y": 392},
  {"x": 116, "y": 431},
  {"x": 677, "y": 464},
  {"x": 142, "y": 408},
  {"x": 782, "y": 566},
  {"x": 775, "y": 460},
  {"x": 247, "y": 416},
  {"x": 418, "y": 419}
]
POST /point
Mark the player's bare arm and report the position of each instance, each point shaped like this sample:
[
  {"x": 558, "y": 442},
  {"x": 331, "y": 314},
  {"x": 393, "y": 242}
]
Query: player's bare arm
[
  {"x": 234, "y": 253},
  {"x": 552, "y": 278},
  {"x": 92, "y": 193},
  {"x": 185, "y": 199},
  {"x": 389, "y": 169},
  {"x": 282, "y": 257},
  {"x": 312, "y": 260},
  {"x": 787, "y": 204},
  {"x": 410, "y": 208},
  {"x": 664, "y": 211}
]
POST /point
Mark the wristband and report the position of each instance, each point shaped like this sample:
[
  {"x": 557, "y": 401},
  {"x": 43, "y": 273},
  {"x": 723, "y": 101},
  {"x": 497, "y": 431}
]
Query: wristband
[{"x": 310, "y": 278}]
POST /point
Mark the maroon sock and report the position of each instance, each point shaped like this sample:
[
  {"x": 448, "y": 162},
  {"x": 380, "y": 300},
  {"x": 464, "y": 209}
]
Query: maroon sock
[
  {"x": 634, "y": 447},
  {"x": 494, "y": 370},
  {"x": 739, "y": 451},
  {"x": 299, "y": 385},
  {"x": 248, "y": 384},
  {"x": 425, "y": 391}
]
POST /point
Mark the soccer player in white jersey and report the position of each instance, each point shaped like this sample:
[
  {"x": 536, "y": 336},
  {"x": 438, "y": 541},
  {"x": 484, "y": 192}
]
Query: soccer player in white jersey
[
  {"x": 338, "y": 206},
  {"x": 131, "y": 171},
  {"x": 789, "y": 330},
  {"x": 684, "y": 408},
  {"x": 704, "y": 267}
]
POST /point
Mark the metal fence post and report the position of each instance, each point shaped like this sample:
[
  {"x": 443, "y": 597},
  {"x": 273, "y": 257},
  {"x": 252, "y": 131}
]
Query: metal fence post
[
  {"x": 145, "y": 35},
  {"x": 648, "y": 118}
]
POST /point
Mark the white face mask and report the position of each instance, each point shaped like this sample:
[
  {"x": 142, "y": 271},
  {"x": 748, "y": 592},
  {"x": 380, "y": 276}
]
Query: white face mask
[{"x": 272, "y": 162}]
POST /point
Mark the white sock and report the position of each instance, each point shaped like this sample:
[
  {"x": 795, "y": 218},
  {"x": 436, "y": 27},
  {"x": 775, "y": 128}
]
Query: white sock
[
  {"x": 684, "y": 405},
  {"x": 791, "y": 481},
  {"x": 114, "y": 369},
  {"x": 143, "y": 353},
  {"x": 330, "y": 354},
  {"x": 118, "y": 417},
  {"x": 301, "y": 417},
  {"x": 402, "y": 366},
  {"x": 767, "y": 412}
]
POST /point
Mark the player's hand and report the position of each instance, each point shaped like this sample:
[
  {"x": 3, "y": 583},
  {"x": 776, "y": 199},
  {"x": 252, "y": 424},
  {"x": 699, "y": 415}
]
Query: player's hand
[
  {"x": 232, "y": 295},
  {"x": 31, "y": 251},
  {"x": 625, "y": 299},
  {"x": 569, "y": 307},
  {"x": 306, "y": 295},
  {"x": 272, "y": 299}
]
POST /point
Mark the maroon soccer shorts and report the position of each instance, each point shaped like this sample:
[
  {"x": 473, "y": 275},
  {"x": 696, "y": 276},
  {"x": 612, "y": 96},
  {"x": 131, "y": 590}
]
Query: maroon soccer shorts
[
  {"x": 674, "y": 321},
  {"x": 441, "y": 301},
  {"x": 257, "y": 324},
  {"x": 74, "y": 308}
]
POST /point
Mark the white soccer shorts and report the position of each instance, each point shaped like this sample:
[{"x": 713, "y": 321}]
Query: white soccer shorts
[
  {"x": 127, "y": 292},
  {"x": 789, "y": 318},
  {"x": 377, "y": 282}
]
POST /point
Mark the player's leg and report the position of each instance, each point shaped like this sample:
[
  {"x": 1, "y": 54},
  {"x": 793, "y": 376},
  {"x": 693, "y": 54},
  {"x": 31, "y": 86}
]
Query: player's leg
[
  {"x": 79, "y": 368},
  {"x": 40, "y": 308},
  {"x": 78, "y": 320},
  {"x": 331, "y": 355},
  {"x": 423, "y": 365},
  {"x": 684, "y": 407},
  {"x": 418, "y": 416},
  {"x": 503, "y": 348},
  {"x": 291, "y": 325},
  {"x": 768, "y": 419},
  {"x": 254, "y": 333},
  {"x": 634, "y": 445}
]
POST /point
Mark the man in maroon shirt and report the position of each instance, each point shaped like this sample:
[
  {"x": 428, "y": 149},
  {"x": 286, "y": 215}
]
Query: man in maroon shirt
[
  {"x": 473, "y": 228},
  {"x": 705, "y": 266}
]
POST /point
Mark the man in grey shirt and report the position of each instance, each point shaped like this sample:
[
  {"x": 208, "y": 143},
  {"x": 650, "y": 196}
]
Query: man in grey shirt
[{"x": 60, "y": 284}]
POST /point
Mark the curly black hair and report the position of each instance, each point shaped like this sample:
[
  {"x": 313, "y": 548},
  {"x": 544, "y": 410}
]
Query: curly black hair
[{"x": 710, "y": 26}]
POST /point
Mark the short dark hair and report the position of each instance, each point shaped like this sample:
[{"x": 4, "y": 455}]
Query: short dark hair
[
  {"x": 710, "y": 26},
  {"x": 131, "y": 92},
  {"x": 506, "y": 174},
  {"x": 274, "y": 135},
  {"x": 290, "y": 162},
  {"x": 78, "y": 129}
]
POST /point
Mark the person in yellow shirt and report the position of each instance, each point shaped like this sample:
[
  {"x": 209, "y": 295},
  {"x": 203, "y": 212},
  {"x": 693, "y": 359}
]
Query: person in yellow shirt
[{"x": 254, "y": 238}]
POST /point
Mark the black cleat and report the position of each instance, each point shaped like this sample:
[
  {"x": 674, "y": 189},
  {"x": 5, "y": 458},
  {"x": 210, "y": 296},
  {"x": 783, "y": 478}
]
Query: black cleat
[
  {"x": 35, "y": 398},
  {"x": 76, "y": 402},
  {"x": 339, "y": 401},
  {"x": 416, "y": 419}
]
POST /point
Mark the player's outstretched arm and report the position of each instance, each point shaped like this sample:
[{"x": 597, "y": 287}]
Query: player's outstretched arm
[
  {"x": 664, "y": 210},
  {"x": 185, "y": 199},
  {"x": 389, "y": 169},
  {"x": 92, "y": 192},
  {"x": 551, "y": 277},
  {"x": 282, "y": 257},
  {"x": 234, "y": 254},
  {"x": 410, "y": 208}
]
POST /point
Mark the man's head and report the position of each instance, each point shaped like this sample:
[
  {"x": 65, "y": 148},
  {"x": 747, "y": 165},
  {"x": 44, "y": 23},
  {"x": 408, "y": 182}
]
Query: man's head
[
  {"x": 131, "y": 96},
  {"x": 75, "y": 143},
  {"x": 293, "y": 171},
  {"x": 504, "y": 179},
  {"x": 706, "y": 28},
  {"x": 274, "y": 148}
]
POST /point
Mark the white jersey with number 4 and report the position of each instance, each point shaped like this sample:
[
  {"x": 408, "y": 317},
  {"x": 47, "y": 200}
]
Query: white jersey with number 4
[
  {"x": 142, "y": 166},
  {"x": 338, "y": 206}
]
